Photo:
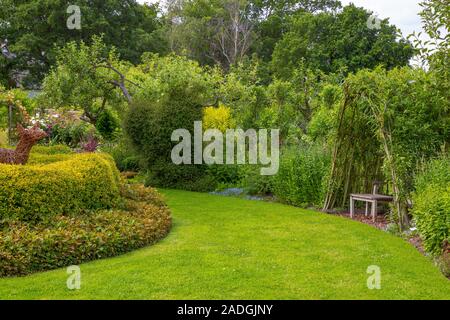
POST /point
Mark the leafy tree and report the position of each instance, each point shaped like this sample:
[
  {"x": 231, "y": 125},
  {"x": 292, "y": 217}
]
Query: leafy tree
[
  {"x": 88, "y": 77},
  {"x": 35, "y": 28},
  {"x": 335, "y": 42},
  {"x": 223, "y": 31},
  {"x": 242, "y": 90},
  {"x": 271, "y": 18},
  {"x": 435, "y": 52},
  {"x": 211, "y": 32}
]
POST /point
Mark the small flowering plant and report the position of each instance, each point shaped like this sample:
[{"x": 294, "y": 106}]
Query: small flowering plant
[
  {"x": 68, "y": 128},
  {"x": 90, "y": 145}
]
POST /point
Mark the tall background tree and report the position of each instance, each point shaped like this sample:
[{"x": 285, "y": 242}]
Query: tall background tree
[
  {"x": 339, "y": 42},
  {"x": 211, "y": 32},
  {"x": 35, "y": 28},
  {"x": 319, "y": 33}
]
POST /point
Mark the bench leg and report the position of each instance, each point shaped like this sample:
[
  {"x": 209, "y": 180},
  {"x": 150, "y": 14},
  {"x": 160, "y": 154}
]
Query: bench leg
[
  {"x": 374, "y": 210},
  {"x": 352, "y": 207},
  {"x": 367, "y": 208}
]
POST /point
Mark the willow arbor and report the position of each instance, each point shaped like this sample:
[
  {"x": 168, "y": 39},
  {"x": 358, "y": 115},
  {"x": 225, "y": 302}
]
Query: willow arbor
[{"x": 389, "y": 122}]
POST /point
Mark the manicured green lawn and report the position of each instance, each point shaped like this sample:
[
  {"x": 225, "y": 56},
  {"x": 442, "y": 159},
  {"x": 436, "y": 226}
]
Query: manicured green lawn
[{"x": 227, "y": 248}]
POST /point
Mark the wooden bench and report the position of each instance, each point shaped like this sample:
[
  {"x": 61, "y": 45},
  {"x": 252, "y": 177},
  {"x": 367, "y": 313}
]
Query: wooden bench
[{"x": 372, "y": 199}]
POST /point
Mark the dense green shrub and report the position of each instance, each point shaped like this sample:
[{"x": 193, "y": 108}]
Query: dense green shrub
[
  {"x": 302, "y": 177},
  {"x": 42, "y": 155},
  {"x": 125, "y": 157},
  {"x": 140, "y": 193},
  {"x": 225, "y": 174},
  {"x": 187, "y": 177},
  {"x": 75, "y": 184},
  {"x": 70, "y": 240},
  {"x": 107, "y": 124},
  {"x": 149, "y": 125},
  {"x": 174, "y": 92},
  {"x": 431, "y": 204},
  {"x": 253, "y": 182}
]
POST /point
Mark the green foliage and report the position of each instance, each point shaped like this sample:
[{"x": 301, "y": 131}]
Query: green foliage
[
  {"x": 124, "y": 155},
  {"x": 431, "y": 204},
  {"x": 70, "y": 240},
  {"x": 388, "y": 122},
  {"x": 253, "y": 182},
  {"x": 40, "y": 159},
  {"x": 107, "y": 124},
  {"x": 35, "y": 29},
  {"x": 225, "y": 174},
  {"x": 71, "y": 133},
  {"x": 324, "y": 118},
  {"x": 42, "y": 155},
  {"x": 186, "y": 177},
  {"x": 302, "y": 177},
  {"x": 241, "y": 90},
  {"x": 214, "y": 32},
  {"x": 175, "y": 91},
  {"x": 72, "y": 185},
  {"x": 284, "y": 104},
  {"x": 51, "y": 150},
  {"x": 339, "y": 42},
  {"x": 83, "y": 78}
]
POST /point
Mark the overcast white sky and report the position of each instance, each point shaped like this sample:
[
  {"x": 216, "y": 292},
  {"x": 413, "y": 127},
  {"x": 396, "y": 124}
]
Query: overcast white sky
[{"x": 402, "y": 13}]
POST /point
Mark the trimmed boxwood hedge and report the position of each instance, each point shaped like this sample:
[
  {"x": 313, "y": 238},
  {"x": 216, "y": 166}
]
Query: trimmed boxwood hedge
[
  {"x": 58, "y": 184},
  {"x": 55, "y": 149},
  {"x": 65, "y": 208},
  {"x": 69, "y": 240}
]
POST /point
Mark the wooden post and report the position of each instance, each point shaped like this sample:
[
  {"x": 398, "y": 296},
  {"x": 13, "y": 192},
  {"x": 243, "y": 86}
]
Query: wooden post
[
  {"x": 367, "y": 208},
  {"x": 352, "y": 207},
  {"x": 10, "y": 125},
  {"x": 374, "y": 210}
]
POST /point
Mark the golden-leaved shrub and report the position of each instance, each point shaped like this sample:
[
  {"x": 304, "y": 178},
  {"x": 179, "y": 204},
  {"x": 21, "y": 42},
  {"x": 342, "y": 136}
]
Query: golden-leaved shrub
[{"x": 66, "y": 184}]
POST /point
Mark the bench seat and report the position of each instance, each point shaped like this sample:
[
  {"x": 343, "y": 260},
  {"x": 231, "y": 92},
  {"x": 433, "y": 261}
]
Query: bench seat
[{"x": 372, "y": 197}]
